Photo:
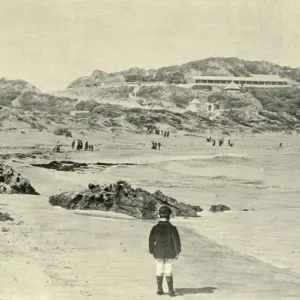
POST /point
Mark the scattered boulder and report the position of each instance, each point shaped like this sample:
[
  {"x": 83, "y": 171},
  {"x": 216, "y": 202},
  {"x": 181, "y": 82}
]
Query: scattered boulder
[
  {"x": 121, "y": 197},
  {"x": 5, "y": 217},
  {"x": 219, "y": 208},
  {"x": 246, "y": 209},
  {"x": 11, "y": 182}
]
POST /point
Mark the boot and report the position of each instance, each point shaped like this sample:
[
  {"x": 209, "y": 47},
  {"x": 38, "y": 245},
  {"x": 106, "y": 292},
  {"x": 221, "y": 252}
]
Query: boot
[
  {"x": 159, "y": 280},
  {"x": 170, "y": 285}
]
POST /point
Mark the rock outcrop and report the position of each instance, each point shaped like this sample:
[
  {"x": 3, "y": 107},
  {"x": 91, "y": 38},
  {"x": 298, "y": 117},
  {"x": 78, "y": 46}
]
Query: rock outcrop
[
  {"x": 71, "y": 166},
  {"x": 11, "y": 182},
  {"x": 121, "y": 197},
  {"x": 62, "y": 165},
  {"x": 219, "y": 208}
]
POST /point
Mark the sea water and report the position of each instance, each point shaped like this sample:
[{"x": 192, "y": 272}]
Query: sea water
[{"x": 255, "y": 175}]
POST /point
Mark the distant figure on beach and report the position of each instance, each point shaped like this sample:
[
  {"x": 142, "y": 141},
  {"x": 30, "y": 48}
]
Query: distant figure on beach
[
  {"x": 73, "y": 144},
  {"x": 79, "y": 145},
  {"x": 280, "y": 145},
  {"x": 92, "y": 147},
  {"x": 165, "y": 246},
  {"x": 159, "y": 145},
  {"x": 229, "y": 142},
  {"x": 214, "y": 143},
  {"x": 57, "y": 147},
  {"x": 86, "y": 146},
  {"x": 154, "y": 145}
]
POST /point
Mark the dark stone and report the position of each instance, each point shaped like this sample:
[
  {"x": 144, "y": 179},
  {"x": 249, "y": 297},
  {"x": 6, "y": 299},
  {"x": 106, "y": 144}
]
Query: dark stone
[
  {"x": 121, "y": 197},
  {"x": 12, "y": 182},
  {"x": 219, "y": 208},
  {"x": 67, "y": 166},
  {"x": 91, "y": 186},
  {"x": 245, "y": 209}
]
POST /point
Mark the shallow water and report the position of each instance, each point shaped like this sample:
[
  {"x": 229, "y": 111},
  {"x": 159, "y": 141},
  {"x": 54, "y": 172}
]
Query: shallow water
[{"x": 255, "y": 175}]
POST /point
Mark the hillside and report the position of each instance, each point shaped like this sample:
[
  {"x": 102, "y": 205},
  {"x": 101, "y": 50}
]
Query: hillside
[
  {"x": 11, "y": 89},
  {"x": 112, "y": 107},
  {"x": 217, "y": 66}
]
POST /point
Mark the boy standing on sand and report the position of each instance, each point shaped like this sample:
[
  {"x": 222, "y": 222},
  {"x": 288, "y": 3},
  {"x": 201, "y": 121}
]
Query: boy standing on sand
[{"x": 165, "y": 246}]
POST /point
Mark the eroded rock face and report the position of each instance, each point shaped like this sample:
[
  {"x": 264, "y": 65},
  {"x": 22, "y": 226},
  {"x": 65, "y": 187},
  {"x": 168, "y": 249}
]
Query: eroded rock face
[
  {"x": 219, "y": 208},
  {"x": 121, "y": 197},
  {"x": 11, "y": 182}
]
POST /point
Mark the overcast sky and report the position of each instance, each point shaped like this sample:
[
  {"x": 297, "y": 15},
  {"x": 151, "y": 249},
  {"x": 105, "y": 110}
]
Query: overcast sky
[{"x": 51, "y": 42}]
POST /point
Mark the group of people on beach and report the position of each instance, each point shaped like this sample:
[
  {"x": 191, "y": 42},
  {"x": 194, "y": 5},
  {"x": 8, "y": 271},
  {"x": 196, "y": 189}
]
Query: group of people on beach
[
  {"x": 87, "y": 146},
  {"x": 155, "y": 145},
  {"x": 220, "y": 141},
  {"x": 159, "y": 132}
]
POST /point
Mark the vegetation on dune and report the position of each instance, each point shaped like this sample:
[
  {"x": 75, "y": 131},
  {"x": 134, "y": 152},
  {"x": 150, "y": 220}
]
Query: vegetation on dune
[
  {"x": 11, "y": 89},
  {"x": 46, "y": 102},
  {"x": 63, "y": 131},
  {"x": 279, "y": 100}
]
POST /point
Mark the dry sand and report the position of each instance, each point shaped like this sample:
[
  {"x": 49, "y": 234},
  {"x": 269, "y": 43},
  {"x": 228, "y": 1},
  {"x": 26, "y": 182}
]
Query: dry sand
[{"x": 51, "y": 253}]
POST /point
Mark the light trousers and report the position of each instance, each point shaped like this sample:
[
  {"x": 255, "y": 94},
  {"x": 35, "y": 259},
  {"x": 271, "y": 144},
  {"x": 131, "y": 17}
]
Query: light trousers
[{"x": 164, "y": 265}]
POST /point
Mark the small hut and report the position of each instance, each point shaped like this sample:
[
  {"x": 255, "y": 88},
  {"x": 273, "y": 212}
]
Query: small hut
[
  {"x": 194, "y": 105},
  {"x": 232, "y": 87}
]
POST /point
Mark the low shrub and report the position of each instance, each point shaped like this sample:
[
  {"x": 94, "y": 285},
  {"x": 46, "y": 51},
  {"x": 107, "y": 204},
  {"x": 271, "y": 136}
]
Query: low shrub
[{"x": 63, "y": 131}]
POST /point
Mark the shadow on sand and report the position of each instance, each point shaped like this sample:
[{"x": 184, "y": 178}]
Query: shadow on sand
[{"x": 193, "y": 291}]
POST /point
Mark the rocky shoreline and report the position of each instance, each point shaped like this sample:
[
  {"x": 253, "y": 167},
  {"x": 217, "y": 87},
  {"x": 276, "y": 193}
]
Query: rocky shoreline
[{"x": 122, "y": 198}]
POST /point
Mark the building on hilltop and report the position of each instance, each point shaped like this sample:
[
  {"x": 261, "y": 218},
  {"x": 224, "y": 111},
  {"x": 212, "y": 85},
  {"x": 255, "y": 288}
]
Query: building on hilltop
[{"x": 256, "y": 80}]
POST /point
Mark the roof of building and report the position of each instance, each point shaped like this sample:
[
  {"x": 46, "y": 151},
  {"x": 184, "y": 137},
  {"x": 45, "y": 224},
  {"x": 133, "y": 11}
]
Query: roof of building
[
  {"x": 232, "y": 86},
  {"x": 195, "y": 101},
  {"x": 254, "y": 77}
]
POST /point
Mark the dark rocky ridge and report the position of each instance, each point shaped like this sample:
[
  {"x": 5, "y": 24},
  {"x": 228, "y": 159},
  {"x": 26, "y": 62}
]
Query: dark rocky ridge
[
  {"x": 122, "y": 198},
  {"x": 219, "y": 208},
  {"x": 75, "y": 166},
  {"x": 11, "y": 182}
]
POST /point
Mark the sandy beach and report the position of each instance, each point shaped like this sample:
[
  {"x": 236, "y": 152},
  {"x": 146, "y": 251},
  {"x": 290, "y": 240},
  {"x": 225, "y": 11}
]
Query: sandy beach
[{"x": 52, "y": 253}]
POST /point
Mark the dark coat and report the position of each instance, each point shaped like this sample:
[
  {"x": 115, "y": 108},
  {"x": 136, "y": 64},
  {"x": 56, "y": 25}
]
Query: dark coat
[{"x": 164, "y": 241}]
